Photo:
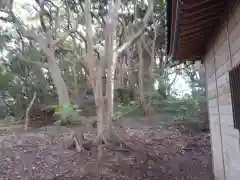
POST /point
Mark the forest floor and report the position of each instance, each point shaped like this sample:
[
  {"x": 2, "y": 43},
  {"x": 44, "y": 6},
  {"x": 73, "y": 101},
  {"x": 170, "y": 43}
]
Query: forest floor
[{"x": 167, "y": 152}]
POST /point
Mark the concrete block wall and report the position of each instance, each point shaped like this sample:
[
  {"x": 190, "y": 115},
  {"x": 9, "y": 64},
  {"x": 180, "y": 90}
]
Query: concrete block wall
[{"x": 223, "y": 53}]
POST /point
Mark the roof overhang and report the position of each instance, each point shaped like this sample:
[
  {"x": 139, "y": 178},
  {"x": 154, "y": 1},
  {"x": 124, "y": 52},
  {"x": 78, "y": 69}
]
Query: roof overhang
[{"x": 191, "y": 24}]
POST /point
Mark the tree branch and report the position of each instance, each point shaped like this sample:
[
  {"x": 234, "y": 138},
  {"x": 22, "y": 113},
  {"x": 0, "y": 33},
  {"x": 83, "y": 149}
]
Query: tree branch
[
  {"x": 146, "y": 47},
  {"x": 25, "y": 33},
  {"x": 88, "y": 20},
  {"x": 21, "y": 56},
  {"x": 130, "y": 42},
  {"x": 83, "y": 38},
  {"x": 140, "y": 32},
  {"x": 73, "y": 30}
]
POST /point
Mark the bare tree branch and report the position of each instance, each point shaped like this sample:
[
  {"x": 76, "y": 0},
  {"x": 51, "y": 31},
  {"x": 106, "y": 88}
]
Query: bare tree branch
[
  {"x": 73, "y": 30},
  {"x": 31, "y": 35},
  {"x": 23, "y": 58},
  {"x": 146, "y": 47},
  {"x": 25, "y": 33},
  {"x": 140, "y": 32},
  {"x": 83, "y": 38},
  {"x": 130, "y": 42},
  {"x": 88, "y": 20},
  {"x": 103, "y": 23},
  {"x": 22, "y": 41}
]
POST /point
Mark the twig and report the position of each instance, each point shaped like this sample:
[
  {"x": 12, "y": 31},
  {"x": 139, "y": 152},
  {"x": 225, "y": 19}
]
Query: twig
[{"x": 27, "y": 111}]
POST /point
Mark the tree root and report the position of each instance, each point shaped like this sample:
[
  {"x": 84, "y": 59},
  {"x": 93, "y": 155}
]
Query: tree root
[
  {"x": 121, "y": 145},
  {"x": 113, "y": 139},
  {"x": 78, "y": 143}
]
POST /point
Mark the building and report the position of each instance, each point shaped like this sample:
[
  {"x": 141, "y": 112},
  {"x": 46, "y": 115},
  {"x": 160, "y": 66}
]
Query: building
[{"x": 209, "y": 31}]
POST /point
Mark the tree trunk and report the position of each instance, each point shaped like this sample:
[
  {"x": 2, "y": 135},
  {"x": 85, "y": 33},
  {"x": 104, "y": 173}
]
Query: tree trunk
[
  {"x": 96, "y": 73},
  {"x": 140, "y": 76},
  {"x": 111, "y": 58},
  {"x": 122, "y": 72},
  {"x": 58, "y": 81},
  {"x": 100, "y": 103},
  {"x": 203, "y": 103},
  {"x": 110, "y": 89}
]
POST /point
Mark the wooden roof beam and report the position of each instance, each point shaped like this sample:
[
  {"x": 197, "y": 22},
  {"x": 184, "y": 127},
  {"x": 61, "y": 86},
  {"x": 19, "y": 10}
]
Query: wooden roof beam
[
  {"x": 192, "y": 56},
  {"x": 187, "y": 7},
  {"x": 207, "y": 15},
  {"x": 201, "y": 23},
  {"x": 189, "y": 50},
  {"x": 189, "y": 58},
  {"x": 192, "y": 42},
  {"x": 195, "y": 30},
  {"x": 198, "y": 34},
  {"x": 192, "y": 39},
  {"x": 189, "y": 15},
  {"x": 195, "y": 35}
]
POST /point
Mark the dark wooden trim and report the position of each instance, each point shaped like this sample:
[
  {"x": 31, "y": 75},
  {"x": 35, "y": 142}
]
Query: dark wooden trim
[
  {"x": 194, "y": 19},
  {"x": 197, "y": 35},
  {"x": 189, "y": 15},
  {"x": 191, "y": 31},
  {"x": 196, "y": 5},
  {"x": 200, "y": 24}
]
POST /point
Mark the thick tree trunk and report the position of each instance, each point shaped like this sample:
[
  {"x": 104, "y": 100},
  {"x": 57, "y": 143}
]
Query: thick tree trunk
[
  {"x": 58, "y": 81},
  {"x": 100, "y": 103},
  {"x": 110, "y": 56}
]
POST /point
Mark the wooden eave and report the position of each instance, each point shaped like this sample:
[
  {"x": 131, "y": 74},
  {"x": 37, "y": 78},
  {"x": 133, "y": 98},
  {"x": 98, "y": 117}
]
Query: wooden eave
[{"x": 192, "y": 24}]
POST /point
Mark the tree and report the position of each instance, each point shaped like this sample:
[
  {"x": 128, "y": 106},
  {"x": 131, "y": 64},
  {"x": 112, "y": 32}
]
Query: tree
[
  {"x": 84, "y": 40},
  {"x": 107, "y": 63},
  {"x": 195, "y": 76}
]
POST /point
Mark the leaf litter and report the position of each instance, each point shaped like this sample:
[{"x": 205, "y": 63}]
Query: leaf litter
[{"x": 163, "y": 152}]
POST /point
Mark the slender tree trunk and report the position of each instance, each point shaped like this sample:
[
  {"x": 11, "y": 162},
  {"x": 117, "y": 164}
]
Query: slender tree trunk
[
  {"x": 122, "y": 72},
  {"x": 140, "y": 75},
  {"x": 153, "y": 55},
  {"x": 203, "y": 103}
]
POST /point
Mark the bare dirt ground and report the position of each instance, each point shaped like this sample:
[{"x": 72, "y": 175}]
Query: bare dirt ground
[{"x": 169, "y": 152}]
